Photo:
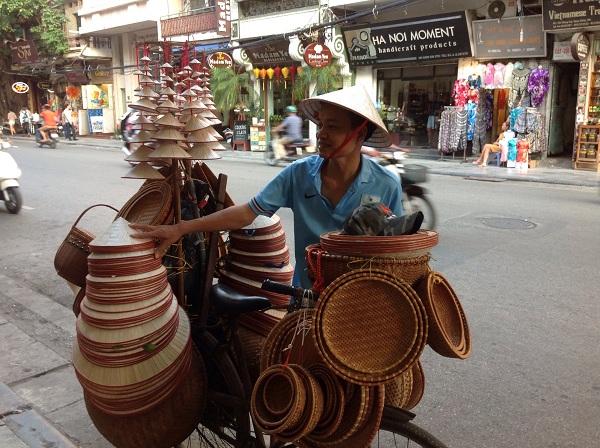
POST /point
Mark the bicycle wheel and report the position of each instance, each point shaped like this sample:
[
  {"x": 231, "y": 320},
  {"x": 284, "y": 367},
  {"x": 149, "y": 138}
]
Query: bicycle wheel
[
  {"x": 415, "y": 203},
  {"x": 226, "y": 422},
  {"x": 396, "y": 430}
]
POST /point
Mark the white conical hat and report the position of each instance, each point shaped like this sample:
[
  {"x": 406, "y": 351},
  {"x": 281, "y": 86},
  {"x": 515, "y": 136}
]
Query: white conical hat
[{"x": 357, "y": 100}]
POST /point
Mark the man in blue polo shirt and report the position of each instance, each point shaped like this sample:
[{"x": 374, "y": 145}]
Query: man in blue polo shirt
[{"x": 322, "y": 190}]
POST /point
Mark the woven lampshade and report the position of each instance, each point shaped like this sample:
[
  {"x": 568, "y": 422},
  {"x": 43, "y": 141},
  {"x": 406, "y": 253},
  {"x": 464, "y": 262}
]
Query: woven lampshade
[
  {"x": 140, "y": 154},
  {"x": 214, "y": 146},
  {"x": 188, "y": 93},
  {"x": 169, "y": 151},
  {"x": 168, "y": 120},
  {"x": 202, "y": 153},
  {"x": 167, "y": 91},
  {"x": 202, "y": 135},
  {"x": 142, "y": 137},
  {"x": 166, "y": 65},
  {"x": 168, "y": 133},
  {"x": 166, "y": 78},
  {"x": 146, "y": 81},
  {"x": 144, "y": 105},
  {"x": 167, "y": 106},
  {"x": 193, "y": 106},
  {"x": 145, "y": 59},
  {"x": 141, "y": 119},
  {"x": 195, "y": 124},
  {"x": 137, "y": 72},
  {"x": 143, "y": 170}
]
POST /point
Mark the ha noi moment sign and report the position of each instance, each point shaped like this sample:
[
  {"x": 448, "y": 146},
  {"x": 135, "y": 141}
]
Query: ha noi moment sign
[{"x": 443, "y": 36}]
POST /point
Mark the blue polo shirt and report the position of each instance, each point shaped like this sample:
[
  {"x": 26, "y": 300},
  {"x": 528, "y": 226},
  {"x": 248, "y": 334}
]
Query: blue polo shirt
[{"x": 298, "y": 187}]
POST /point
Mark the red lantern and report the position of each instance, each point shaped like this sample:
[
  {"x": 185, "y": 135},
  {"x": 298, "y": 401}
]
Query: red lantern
[{"x": 293, "y": 71}]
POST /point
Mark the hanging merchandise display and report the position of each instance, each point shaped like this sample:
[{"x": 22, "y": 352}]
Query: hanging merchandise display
[
  {"x": 519, "y": 94},
  {"x": 538, "y": 84}
]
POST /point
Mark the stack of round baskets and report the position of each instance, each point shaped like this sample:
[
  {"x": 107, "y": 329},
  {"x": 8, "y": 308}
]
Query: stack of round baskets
[
  {"x": 257, "y": 252},
  {"x": 144, "y": 385},
  {"x": 379, "y": 305}
]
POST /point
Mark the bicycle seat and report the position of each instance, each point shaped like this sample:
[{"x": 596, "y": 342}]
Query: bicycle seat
[{"x": 226, "y": 300}]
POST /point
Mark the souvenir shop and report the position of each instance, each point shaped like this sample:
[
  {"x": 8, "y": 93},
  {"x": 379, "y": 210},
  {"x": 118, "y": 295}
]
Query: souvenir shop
[
  {"x": 489, "y": 92},
  {"x": 486, "y": 95}
]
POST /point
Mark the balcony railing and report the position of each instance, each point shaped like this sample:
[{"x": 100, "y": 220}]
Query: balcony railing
[{"x": 195, "y": 21}]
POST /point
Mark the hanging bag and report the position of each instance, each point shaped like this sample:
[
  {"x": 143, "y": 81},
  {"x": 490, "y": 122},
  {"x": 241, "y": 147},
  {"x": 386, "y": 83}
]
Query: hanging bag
[{"x": 70, "y": 260}]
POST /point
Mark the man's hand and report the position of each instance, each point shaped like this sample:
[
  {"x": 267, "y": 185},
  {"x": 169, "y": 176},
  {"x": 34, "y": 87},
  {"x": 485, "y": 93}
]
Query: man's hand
[{"x": 167, "y": 235}]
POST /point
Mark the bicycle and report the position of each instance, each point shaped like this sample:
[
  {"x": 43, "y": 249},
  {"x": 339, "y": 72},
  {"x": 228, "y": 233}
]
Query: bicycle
[{"x": 227, "y": 421}]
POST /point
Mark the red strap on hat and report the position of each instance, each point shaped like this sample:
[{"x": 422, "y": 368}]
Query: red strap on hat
[{"x": 356, "y": 131}]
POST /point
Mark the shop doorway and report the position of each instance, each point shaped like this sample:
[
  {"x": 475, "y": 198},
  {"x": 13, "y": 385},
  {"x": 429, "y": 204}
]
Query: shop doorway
[{"x": 563, "y": 111}]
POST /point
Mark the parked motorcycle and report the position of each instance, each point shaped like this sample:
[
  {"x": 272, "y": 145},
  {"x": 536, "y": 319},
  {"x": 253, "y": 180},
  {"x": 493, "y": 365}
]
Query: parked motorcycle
[
  {"x": 52, "y": 137},
  {"x": 414, "y": 195},
  {"x": 9, "y": 176},
  {"x": 276, "y": 152}
]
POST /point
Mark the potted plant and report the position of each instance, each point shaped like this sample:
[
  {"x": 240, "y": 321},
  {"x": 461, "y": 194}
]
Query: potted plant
[
  {"x": 326, "y": 79},
  {"x": 275, "y": 120},
  {"x": 227, "y": 85}
]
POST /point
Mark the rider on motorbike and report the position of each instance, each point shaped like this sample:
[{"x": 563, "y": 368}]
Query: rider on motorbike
[
  {"x": 49, "y": 122},
  {"x": 292, "y": 124}
]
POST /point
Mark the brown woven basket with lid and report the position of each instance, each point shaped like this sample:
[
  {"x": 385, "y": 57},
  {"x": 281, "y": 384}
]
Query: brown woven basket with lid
[
  {"x": 70, "y": 260},
  {"x": 369, "y": 326},
  {"x": 448, "y": 330},
  {"x": 324, "y": 267}
]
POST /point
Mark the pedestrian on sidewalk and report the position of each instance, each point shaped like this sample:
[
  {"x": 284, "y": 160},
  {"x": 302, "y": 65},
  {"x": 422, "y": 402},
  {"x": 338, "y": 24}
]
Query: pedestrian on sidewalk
[
  {"x": 25, "y": 118},
  {"x": 12, "y": 119},
  {"x": 35, "y": 118},
  {"x": 67, "y": 117}
]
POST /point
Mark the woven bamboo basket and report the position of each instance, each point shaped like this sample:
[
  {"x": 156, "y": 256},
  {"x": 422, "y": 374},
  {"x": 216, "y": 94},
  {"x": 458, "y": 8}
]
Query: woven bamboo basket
[
  {"x": 418, "y": 385},
  {"x": 324, "y": 267}
]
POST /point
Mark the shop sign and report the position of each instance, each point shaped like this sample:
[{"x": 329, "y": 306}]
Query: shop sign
[
  {"x": 220, "y": 59},
  {"x": 580, "y": 46},
  {"x": 317, "y": 55},
  {"x": 20, "y": 87},
  {"x": 443, "y": 36},
  {"x": 270, "y": 54},
  {"x": 562, "y": 51},
  {"x": 560, "y": 15},
  {"x": 223, "y": 11},
  {"x": 511, "y": 37},
  {"x": 240, "y": 130},
  {"x": 44, "y": 85},
  {"x": 23, "y": 52},
  {"x": 100, "y": 76}
]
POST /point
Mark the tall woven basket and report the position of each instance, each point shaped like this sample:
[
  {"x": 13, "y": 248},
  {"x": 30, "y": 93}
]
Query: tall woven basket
[{"x": 324, "y": 267}]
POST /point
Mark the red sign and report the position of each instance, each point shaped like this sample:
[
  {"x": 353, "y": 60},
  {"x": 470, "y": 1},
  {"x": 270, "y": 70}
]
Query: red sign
[
  {"x": 23, "y": 52},
  {"x": 223, "y": 11},
  {"x": 20, "y": 87},
  {"x": 220, "y": 59},
  {"x": 317, "y": 55}
]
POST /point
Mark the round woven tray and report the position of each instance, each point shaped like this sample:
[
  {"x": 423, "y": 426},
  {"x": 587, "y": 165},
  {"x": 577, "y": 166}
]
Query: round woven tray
[
  {"x": 369, "y": 326},
  {"x": 150, "y": 205},
  {"x": 333, "y": 389},
  {"x": 418, "y": 385},
  {"x": 262, "y": 225},
  {"x": 324, "y": 267},
  {"x": 398, "y": 391},
  {"x": 448, "y": 328}
]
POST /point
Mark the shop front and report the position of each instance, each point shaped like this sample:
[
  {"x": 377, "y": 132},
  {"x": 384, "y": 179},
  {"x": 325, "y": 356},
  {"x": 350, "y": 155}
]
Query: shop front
[
  {"x": 576, "y": 107},
  {"x": 414, "y": 66}
]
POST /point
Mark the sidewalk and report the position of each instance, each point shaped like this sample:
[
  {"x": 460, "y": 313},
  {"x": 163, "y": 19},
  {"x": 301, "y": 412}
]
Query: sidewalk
[{"x": 553, "y": 170}]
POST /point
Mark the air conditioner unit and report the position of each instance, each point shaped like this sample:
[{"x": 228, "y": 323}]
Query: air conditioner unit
[{"x": 498, "y": 9}]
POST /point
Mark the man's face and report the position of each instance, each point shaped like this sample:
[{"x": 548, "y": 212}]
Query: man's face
[{"x": 334, "y": 127}]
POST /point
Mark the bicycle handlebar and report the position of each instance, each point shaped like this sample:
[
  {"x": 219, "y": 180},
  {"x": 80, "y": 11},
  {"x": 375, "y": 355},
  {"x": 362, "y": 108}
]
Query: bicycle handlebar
[{"x": 298, "y": 292}]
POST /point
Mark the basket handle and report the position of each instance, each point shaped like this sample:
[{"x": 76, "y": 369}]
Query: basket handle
[{"x": 91, "y": 207}]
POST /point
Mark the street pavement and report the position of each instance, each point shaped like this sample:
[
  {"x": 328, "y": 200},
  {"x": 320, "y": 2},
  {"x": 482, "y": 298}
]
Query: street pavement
[{"x": 39, "y": 392}]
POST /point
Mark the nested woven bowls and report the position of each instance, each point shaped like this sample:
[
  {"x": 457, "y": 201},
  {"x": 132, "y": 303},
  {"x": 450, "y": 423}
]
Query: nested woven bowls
[
  {"x": 449, "y": 333},
  {"x": 324, "y": 267},
  {"x": 286, "y": 401},
  {"x": 369, "y": 326}
]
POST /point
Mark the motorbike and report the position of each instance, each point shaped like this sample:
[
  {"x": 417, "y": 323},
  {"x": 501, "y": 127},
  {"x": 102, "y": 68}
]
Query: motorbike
[
  {"x": 127, "y": 132},
  {"x": 9, "y": 176},
  {"x": 414, "y": 195},
  {"x": 52, "y": 137},
  {"x": 228, "y": 134},
  {"x": 276, "y": 152}
]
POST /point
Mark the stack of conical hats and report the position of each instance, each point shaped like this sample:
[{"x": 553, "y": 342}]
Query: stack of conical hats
[
  {"x": 133, "y": 343},
  {"x": 258, "y": 252}
]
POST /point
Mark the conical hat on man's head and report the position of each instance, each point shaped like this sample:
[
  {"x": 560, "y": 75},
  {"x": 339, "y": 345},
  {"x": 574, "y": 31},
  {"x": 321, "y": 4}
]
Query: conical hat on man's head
[{"x": 357, "y": 100}]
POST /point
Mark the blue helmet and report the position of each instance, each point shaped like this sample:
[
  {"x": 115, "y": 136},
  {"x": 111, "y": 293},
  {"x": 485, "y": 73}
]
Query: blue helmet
[{"x": 291, "y": 109}]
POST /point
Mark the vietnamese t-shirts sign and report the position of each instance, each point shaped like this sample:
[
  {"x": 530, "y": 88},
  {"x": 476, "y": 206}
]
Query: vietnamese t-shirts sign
[{"x": 443, "y": 36}]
